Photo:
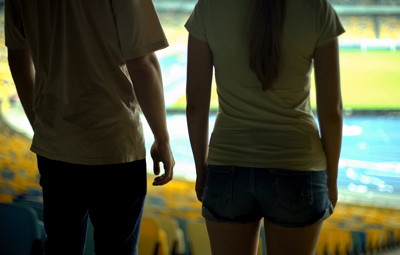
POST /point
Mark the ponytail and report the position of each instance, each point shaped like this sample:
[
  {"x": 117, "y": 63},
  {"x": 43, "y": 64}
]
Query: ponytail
[{"x": 265, "y": 41}]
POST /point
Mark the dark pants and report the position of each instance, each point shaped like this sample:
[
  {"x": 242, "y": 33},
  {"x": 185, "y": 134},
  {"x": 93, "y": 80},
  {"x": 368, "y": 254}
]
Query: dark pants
[{"x": 111, "y": 195}]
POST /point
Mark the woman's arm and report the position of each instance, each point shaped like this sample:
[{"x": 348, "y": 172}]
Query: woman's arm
[
  {"x": 198, "y": 94},
  {"x": 329, "y": 109}
]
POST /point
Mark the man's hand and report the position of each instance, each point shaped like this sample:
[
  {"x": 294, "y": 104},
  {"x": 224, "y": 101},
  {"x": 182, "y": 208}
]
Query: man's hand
[
  {"x": 161, "y": 152},
  {"x": 145, "y": 73}
]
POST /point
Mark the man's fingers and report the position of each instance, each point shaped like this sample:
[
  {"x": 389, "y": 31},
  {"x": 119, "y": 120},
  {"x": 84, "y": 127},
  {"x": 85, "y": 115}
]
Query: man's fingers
[
  {"x": 165, "y": 178},
  {"x": 161, "y": 180},
  {"x": 156, "y": 167},
  {"x": 165, "y": 157}
]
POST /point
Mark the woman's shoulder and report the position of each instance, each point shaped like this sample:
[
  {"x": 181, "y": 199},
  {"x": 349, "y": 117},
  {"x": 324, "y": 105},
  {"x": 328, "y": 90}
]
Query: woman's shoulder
[
  {"x": 309, "y": 8},
  {"x": 309, "y": 3}
]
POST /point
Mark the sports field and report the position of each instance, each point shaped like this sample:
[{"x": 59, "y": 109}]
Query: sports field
[{"x": 370, "y": 81}]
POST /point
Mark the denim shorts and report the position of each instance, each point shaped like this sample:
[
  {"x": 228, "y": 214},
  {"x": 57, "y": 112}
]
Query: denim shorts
[{"x": 289, "y": 198}]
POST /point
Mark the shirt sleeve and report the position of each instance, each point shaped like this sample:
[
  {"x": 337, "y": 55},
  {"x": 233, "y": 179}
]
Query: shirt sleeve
[
  {"x": 139, "y": 28},
  {"x": 196, "y": 24},
  {"x": 328, "y": 24},
  {"x": 13, "y": 27}
]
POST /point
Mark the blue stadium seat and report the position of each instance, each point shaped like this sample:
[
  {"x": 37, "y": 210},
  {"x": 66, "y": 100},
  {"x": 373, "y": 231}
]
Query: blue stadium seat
[{"x": 20, "y": 231}]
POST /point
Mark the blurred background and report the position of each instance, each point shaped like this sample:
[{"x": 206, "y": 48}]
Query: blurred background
[{"x": 367, "y": 218}]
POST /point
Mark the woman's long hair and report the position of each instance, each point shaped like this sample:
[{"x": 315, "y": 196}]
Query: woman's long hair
[{"x": 265, "y": 43}]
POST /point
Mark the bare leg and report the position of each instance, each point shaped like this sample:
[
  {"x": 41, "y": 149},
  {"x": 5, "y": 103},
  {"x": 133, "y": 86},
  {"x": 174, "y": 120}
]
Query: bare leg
[
  {"x": 233, "y": 238},
  {"x": 286, "y": 241}
]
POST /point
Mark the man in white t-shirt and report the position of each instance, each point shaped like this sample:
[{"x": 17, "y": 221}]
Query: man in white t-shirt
[{"x": 83, "y": 71}]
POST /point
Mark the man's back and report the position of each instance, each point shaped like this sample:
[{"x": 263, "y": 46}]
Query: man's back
[
  {"x": 84, "y": 110},
  {"x": 85, "y": 107}
]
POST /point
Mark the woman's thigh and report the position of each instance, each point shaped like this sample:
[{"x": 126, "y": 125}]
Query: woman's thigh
[
  {"x": 282, "y": 240},
  {"x": 227, "y": 238}
]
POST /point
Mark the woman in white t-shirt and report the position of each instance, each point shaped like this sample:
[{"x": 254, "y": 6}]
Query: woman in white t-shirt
[{"x": 267, "y": 158}]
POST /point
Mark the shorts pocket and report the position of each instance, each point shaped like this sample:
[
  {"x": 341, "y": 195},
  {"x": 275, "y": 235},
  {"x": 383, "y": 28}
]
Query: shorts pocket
[
  {"x": 293, "y": 189},
  {"x": 218, "y": 187}
]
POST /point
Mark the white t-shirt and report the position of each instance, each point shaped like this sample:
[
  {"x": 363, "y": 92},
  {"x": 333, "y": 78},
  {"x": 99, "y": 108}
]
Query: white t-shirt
[
  {"x": 273, "y": 128},
  {"x": 86, "y": 110}
]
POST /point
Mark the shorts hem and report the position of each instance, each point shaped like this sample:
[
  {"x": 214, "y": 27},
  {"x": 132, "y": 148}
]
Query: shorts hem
[
  {"x": 322, "y": 217},
  {"x": 208, "y": 215}
]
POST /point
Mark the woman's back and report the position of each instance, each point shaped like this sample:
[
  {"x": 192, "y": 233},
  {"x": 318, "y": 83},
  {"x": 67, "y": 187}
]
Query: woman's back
[{"x": 264, "y": 128}]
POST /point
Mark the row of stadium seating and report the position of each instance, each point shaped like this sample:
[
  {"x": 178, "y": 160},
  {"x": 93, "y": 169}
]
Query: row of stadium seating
[
  {"x": 381, "y": 29},
  {"x": 359, "y": 27},
  {"x": 338, "y": 2},
  {"x": 365, "y": 2},
  {"x": 18, "y": 169},
  {"x": 352, "y": 229}
]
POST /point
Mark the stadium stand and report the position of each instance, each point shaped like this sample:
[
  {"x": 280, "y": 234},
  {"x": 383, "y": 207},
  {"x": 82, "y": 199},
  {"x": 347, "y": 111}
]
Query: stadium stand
[
  {"x": 365, "y": 2},
  {"x": 357, "y": 28},
  {"x": 362, "y": 19},
  {"x": 390, "y": 27}
]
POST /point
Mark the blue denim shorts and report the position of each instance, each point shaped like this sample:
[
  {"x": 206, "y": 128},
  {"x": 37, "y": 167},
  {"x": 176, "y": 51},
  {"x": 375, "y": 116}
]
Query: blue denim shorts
[{"x": 288, "y": 198}]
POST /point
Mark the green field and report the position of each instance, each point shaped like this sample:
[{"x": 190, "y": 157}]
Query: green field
[{"x": 370, "y": 81}]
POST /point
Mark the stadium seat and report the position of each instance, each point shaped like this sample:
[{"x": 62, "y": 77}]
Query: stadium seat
[
  {"x": 20, "y": 231},
  {"x": 89, "y": 243},
  {"x": 198, "y": 238},
  {"x": 37, "y": 207},
  {"x": 375, "y": 238},
  {"x": 334, "y": 240},
  {"x": 359, "y": 242},
  {"x": 176, "y": 242},
  {"x": 152, "y": 239}
]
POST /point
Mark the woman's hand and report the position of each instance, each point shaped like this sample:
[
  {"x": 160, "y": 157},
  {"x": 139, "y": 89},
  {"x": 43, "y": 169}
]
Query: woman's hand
[
  {"x": 200, "y": 184},
  {"x": 333, "y": 193}
]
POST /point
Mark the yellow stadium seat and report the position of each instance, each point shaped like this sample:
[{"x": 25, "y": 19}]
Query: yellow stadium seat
[
  {"x": 198, "y": 238},
  {"x": 153, "y": 239},
  {"x": 334, "y": 240},
  {"x": 175, "y": 238}
]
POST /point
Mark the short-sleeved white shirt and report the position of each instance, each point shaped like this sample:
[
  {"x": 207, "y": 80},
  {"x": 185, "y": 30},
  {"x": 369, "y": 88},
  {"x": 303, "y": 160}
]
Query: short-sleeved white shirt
[
  {"x": 273, "y": 128},
  {"x": 85, "y": 106}
]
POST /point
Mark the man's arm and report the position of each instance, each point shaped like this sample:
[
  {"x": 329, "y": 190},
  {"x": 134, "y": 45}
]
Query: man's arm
[
  {"x": 329, "y": 109},
  {"x": 23, "y": 73},
  {"x": 147, "y": 81}
]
